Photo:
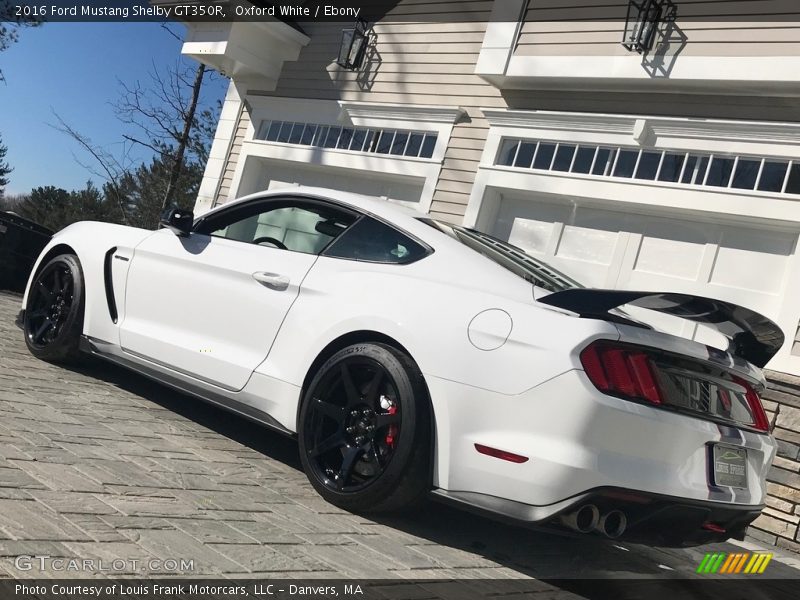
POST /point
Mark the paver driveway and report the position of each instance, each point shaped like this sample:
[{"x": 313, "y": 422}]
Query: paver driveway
[{"x": 102, "y": 463}]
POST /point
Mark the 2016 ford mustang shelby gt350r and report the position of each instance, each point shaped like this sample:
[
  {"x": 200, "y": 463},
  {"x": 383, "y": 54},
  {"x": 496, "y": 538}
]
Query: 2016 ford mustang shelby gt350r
[{"x": 410, "y": 356}]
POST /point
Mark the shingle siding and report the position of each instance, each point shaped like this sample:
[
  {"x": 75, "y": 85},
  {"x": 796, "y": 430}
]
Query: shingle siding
[
  {"x": 594, "y": 27},
  {"x": 233, "y": 156}
]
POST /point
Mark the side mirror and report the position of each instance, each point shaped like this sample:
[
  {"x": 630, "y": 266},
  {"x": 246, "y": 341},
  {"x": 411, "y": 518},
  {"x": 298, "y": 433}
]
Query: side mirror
[{"x": 177, "y": 220}]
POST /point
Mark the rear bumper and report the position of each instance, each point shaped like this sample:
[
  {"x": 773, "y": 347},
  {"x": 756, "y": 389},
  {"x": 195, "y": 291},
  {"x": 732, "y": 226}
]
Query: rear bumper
[
  {"x": 577, "y": 441},
  {"x": 652, "y": 519},
  {"x": 660, "y": 520}
]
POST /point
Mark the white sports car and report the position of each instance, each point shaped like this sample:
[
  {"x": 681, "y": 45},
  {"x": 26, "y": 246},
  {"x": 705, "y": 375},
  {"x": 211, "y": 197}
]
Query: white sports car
[{"x": 412, "y": 357}]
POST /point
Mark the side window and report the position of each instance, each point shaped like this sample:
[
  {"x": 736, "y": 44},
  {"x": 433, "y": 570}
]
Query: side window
[
  {"x": 372, "y": 241},
  {"x": 306, "y": 228}
]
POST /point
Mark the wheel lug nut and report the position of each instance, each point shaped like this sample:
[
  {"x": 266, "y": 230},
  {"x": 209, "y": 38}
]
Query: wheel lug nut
[
  {"x": 354, "y": 413},
  {"x": 351, "y": 430}
]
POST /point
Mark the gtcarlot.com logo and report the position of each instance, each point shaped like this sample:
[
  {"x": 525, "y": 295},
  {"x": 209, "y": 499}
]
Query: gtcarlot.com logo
[
  {"x": 118, "y": 565},
  {"x": 725, "y": 563}
]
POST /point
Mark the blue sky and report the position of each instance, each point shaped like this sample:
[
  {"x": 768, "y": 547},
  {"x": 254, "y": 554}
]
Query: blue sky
[{"x": 73, "y": 69}]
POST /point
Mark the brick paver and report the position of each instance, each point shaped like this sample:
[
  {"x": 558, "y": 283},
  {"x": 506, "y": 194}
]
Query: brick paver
[{"x": 101, "y": 463}]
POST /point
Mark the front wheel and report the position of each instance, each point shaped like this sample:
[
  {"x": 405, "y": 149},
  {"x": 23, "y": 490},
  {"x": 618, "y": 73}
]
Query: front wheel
[
  {"x": 54, "y": 311},
  {"x": 365, "y": 430}
]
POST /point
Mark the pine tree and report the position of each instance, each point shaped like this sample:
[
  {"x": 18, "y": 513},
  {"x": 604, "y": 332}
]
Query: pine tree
[{"x": 4, "y": 168}]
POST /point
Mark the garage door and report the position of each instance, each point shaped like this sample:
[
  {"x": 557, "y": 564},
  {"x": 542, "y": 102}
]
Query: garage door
[
  {"x": 281, "y": 174},
  {"x": 601, "y": 247}
]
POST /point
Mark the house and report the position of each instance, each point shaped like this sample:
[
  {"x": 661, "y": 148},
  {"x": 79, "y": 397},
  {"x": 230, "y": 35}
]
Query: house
[{"x": 670, "y": 168}]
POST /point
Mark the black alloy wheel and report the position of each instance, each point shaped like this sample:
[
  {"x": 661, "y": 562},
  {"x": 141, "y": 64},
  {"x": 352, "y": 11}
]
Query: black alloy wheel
[
  {"x": 54, "y": 310},
  {"x": 365, "y": 430}
]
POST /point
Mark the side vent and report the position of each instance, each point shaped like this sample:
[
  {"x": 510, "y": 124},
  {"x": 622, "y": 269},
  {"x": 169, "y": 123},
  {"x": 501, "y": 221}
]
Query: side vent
[{"x": 109, "y": 283}]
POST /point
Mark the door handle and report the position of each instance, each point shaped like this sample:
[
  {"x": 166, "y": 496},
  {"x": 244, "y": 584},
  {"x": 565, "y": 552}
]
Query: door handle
[{"x": 273, "y": 281}]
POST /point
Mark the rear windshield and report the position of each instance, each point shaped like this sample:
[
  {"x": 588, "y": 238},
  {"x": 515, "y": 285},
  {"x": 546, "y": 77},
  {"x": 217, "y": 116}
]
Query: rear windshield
[{"x": 508, "y": 256}]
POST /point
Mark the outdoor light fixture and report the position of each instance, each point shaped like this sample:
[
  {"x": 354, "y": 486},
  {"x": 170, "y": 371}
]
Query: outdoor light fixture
[
  {"x": 642, "y": 21},
  {"x": 354, "y": 45}
]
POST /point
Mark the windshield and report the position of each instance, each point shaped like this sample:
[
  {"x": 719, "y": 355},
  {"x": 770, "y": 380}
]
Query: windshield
[{"x": 508, "y": 256}]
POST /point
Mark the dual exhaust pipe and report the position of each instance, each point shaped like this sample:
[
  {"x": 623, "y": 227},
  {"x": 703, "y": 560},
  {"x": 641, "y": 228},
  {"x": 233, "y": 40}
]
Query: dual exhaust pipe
[{"x": 587, "y": 518}]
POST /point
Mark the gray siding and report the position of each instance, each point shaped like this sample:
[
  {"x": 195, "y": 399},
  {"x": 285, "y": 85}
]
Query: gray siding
[
  {"x": 759, "y": 108},
  {"x": 594, "y": 28},
  {"x": 233, "y": 156}
]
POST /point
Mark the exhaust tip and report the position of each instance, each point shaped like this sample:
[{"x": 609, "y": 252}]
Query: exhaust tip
[
  {"x": 613, "y": 523},
  {"x": 583, "y": 520}
]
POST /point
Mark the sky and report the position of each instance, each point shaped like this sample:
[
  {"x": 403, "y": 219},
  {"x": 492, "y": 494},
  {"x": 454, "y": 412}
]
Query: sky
[{"x": 73, "y": 69}]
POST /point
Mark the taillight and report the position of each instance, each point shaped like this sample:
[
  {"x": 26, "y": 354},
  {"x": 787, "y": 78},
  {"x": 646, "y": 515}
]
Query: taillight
[
  {"x": 760, "y": 420},
  {"x": 672, "y": 382},
  {"x": 623, "y": 371}
]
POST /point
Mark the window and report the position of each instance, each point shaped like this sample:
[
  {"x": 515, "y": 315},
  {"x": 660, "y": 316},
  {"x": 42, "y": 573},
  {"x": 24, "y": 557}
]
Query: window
[
  {"x": 772, "y": 177},
  {"x": 508, "y": 256},
  {"x": 671, "y": 167},
  {"x": 686, "y": 168},
  {"x": 525, "y": 155},
  {"x": 296, "y": 225},
  {"x": 584, "y": 159},
  {"x": 626, "y": 163},
  {"x": 648, "y": 165},
  {"x": 370, "y": 240},
  {"x": 719, "y": 174},
  {"x": 381, "y": 141},
  {"x": 563, "y": 158}
]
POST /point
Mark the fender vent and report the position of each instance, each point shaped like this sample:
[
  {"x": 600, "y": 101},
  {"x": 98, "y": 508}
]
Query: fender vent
[{"x": 109, "y": 283}]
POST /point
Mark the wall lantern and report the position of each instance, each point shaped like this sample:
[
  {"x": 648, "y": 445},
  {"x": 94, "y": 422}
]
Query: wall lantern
[
  {"x": 641, "y": 24},
  {"x": 354, "y": 46}
]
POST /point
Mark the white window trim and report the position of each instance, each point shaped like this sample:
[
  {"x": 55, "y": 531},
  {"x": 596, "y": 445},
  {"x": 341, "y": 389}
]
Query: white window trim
[
  {"x": 781, "y": 140},
  {"x": 700, "y": 135},
  {"x": 439, "y": 119}
]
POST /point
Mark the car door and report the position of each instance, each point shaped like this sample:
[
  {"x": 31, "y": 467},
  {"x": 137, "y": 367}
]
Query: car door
[{"x": 210, "y": 304}]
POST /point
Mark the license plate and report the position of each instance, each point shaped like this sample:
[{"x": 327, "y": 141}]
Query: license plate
[{"x": 730, "y": 466}]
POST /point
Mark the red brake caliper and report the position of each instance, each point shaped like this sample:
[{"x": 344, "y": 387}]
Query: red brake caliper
[{"x": 390, "y": 435}]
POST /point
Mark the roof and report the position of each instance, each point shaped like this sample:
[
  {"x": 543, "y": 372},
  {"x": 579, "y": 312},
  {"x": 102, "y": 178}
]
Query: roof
[{"x": 395, "y": 213}]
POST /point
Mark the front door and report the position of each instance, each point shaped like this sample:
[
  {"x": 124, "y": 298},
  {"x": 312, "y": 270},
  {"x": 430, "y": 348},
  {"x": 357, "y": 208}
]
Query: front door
[{"x": 210, "y": 305}]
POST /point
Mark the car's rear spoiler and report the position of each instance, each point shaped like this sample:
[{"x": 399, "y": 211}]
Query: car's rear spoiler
[{"x": 751, "y": 336}]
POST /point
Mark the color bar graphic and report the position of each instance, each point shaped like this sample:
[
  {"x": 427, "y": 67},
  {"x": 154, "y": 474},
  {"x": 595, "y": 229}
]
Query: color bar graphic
[{"x": 734, "y": 563}]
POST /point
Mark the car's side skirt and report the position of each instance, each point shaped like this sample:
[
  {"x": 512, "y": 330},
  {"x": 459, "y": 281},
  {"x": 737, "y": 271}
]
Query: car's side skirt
[{"x": 114, "y": 354}]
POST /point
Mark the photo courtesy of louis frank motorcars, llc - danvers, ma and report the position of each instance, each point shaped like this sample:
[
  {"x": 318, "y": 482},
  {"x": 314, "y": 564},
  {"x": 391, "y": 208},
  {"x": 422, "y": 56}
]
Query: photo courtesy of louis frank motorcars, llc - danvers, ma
[{"x": 520, "y": 259}]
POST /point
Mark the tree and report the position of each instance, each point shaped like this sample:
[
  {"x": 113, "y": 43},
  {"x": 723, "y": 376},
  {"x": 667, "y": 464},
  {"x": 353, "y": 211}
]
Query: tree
[
  {"x": 144, "y": 190},
  {"x": 169, "y": 120},
  {"x": 4, "y": 168},
  {"x": 10, "y": 24},
  {"x": 108, "y": 168},
  {"x": 56, "y": 207},
  {"x": 45, "y": 205}
]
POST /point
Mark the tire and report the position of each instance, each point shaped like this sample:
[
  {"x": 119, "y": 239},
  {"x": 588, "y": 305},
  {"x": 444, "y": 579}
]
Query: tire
[
  {"x": 54, "y": 311},
  {"x": 389, "y": 466}
]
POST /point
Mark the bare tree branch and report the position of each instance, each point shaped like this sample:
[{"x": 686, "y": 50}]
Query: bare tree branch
[
  {"x": 155, "y": 149},
  {"x": 110, "y": 167},
  {"x": 184, "y": 141}
]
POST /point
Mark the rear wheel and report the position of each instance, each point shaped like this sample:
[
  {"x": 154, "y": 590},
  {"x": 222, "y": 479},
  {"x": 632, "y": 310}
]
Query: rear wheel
[
  {"x": 54, "y": 311},
  {"x": 365, "y": 430}
]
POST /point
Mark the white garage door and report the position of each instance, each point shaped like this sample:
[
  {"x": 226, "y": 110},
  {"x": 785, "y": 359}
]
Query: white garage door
[
  {"x": 281, "y": 174},
  {"x": 745, "y": 264}
]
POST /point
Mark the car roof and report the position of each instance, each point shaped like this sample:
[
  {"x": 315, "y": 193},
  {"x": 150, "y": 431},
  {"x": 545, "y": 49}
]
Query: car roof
[
  {"x": 463, "y": 263},
  {"x": 392, "y": 212}
]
